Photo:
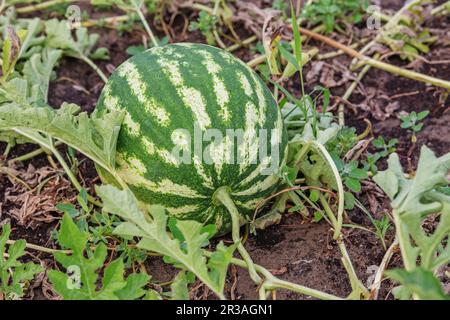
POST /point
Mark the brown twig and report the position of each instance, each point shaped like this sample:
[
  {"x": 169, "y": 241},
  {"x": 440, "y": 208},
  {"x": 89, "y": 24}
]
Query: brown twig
[{"x": 375, "y": 63}]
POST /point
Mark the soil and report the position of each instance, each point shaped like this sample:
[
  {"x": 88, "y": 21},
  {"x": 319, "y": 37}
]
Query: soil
[{"x": 295, "y": 250}]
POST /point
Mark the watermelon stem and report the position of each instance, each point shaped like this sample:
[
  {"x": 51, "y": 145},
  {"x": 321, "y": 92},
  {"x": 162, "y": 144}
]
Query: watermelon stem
[
  {"x": 222, "y": 195},
  {"x": 145, "y": 23},
  {"x": 272, "y": 283}
]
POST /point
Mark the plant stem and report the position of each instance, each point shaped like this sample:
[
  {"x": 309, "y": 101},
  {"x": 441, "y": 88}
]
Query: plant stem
[
  {"x": 335, "y": 54},
  {"x": 50, "y": 146},
  {"x": 33, "y": 154},
  {"x": 359, "y": 290},
  {"x": 65, "y": 166},
  {"x": 375, "y": 288},
  {"x": 302, "y": 153},
  {"x": 440, "y": 9},
  {"x": 273, "y": 282},
  {"x": 41, "y": 6},
  {"x": 70, "y": 174},
  {"x": 256, "y": 61},
  {"x": 39, "y": 248},
  {"x": 8, "y": 149},
  {"x": 222, "y": 195},
  {"x": 108, "y": 20},
  {"x": 94, "y": 67},
  {"x": 340, "y": 187},
  {"x": 197, "y": 6},
  {"x": 403, "y": 238},
  {"x": 378, "y": 64},
  {"x": 276, "y": 283},
  {"x": 144, "y": 22},
  {"x": 357, "y": 286},
  {"x": 214, "y": 31},
  {"x": 245, "y": 42},
  {"x": 389, "y": 25}
]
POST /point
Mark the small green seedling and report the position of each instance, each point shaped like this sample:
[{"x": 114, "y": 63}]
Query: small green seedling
[
  {"x": 328, "y": 12},
  {"x": 14, "y": 275},
  {"x": 100, "y": 227},
  {"x": 351, "y": 174},
  {"x": 413, "y": 123},
  {"x": 206, "y": 24},
  {"x": 370, "y": 164},
  {"x": 384, "y": 149}
]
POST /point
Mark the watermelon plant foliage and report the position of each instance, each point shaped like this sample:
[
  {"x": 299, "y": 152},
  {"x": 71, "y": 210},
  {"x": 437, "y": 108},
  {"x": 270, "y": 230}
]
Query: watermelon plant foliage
[
  {"x": 415, "y": 199},
  {"x": 14, "y": 275},
  {"x": 80, "y": 280},
  {"x": 134, "y": 117},
  {"x": 184, "y": 250}
]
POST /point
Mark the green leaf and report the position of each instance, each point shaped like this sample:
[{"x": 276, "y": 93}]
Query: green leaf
[
  {"x": 379, "y": 142},
  {"x": 32, "y": 42},
  {"x": 134, "y": 287},
  {"x": 100, "y": 54},
  {"x": 422, "y": 115},
  {"x": 431, "y": 172},
  {"x": 68, "y": 208},
  {"x": 420, "y": 282},
  {"x": 38, "y": 72},
  {"x": 350, "y": 200},
  {"x": 418, "y": 127},
  {"x": 314, "y": 195},
  {"x": 179, "y": 287},
  {"x": 359, "y": 174},
  {"x": 14, "y": 274},
  {"x": 94, "y": 136},
  {"x": 59, "y": 36},
  {"x": 289, "y": 174},
  {"x": 289, "y": 57},
  {"x": 388, "y": 181},
  {"x": 11, "y": 48},
  {"x": 318, "y": 216},
  {"x": 353, "y": 184},
  {"x": 413, "y": 199},
  {"x": 81, "y": 279},
  {"x": 134, "y": 50},
  {"x": 297, "y": 36},
  {"x": 154, "y": 236}
]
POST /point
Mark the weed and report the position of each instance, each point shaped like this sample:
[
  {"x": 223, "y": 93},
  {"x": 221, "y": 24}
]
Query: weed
[{"x": 413, "y": 122}]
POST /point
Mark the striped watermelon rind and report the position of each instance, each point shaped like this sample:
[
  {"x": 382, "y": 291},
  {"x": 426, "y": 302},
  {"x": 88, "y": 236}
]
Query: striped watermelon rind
[{"x": 174, "y": 87}]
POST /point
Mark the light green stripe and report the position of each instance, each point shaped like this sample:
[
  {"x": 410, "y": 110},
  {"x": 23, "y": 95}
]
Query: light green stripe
[
  {"x": 220, "y": 90},
  {"x": 139, "y": 88},
  {"x": 207, "y": 181},
  {"x": 182, "y": 211},
  {"x": 191, "y": 97},
  {"x": 261, "y": 186},
  {"x": 255, "y": 174},
  {"x": 249, "y": 147}
]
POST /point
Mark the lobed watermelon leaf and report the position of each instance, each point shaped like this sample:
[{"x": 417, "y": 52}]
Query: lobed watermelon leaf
[
  {"x": 186, "y": 255},
  {"x": 413, "y": 200},
  {"x": 59, "y": 36},
  {"x": 13, "y": 273},
  {"x": 179, "y": 286},
  {"x": 94, "y": 136},
  {"x": 80, "y": 280},
  {"x": 419, "y": 281}
]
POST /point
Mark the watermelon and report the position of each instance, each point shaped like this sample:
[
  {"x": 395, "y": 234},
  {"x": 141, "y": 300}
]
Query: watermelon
[{"x": 176, "y": 96}]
